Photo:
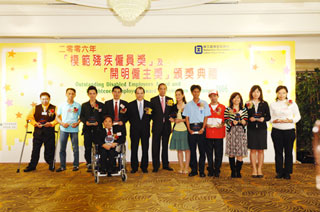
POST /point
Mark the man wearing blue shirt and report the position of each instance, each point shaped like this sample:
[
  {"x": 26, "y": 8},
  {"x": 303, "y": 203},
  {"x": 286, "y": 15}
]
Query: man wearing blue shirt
[
  {"x": 196, "y": 113},
  {"x": 68, "y": 117}
]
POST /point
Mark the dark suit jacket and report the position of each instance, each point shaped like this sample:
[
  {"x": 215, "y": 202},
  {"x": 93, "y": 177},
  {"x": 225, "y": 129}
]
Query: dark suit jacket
[
  {"x": 263, "y": 108},
  {"x": 116, "y": 129},
  {"x": 87, "y": 111},
  {"x": 109, "y": 110},
  {"x": 157, "y": 115},
  {"x": 135, "y": 123}
]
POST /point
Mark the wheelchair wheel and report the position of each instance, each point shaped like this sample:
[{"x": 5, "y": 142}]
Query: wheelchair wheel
[
  {"x": 124, "y": 177},
  {"x": 96, "y": 177}
]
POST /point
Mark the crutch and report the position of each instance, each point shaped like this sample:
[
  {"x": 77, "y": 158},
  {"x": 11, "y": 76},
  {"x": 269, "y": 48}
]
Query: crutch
[
  {"x": 55, "y": 148},
  {"x": 24, "y": 143}
]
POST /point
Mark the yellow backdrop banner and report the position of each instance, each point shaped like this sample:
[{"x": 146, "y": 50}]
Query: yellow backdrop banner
[{"x": 27, "y": 69}]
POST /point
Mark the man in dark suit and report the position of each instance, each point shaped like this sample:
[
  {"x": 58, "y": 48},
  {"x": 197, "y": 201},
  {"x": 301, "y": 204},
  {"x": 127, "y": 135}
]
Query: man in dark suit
[
  {"x": 161, "y": 127},
  {"x": 117, "y": 109},
  {"x": 139, "y": 112},
  {"x": 92, "y": 117},
  {"x": 109, "y": 138}
]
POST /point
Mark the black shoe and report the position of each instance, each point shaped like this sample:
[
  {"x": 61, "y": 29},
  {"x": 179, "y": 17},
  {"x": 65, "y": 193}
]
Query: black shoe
[
  {"x": 260, "y": 176},
  {"x": 89, "y": 168},
  {"x": 155, "y": 170},
  {"x": 103, "y": 172},
  {"x": 60, "y": 169},
  {"x": 144, "y": 170},
  {"x": 109, "y": 174},
  {"x": 217, "y": 174},
  {"x": 168, "y": 168},
  {"x": 133, "y": 171},
  {"x": 29, "y": 169},
  {"x": 75, "y": 168},
  {"x": 238, "y": 168},
  {"x": 210, "y": 174},
  {"x": 51, "y": 168},
  {"x": 202, "y": 174},
  {"x": 279, "y": 176},
  {"x": 254, "y": 176},
  {"x": 191, "y": 174},
  {"x": 287, "y": 176}
]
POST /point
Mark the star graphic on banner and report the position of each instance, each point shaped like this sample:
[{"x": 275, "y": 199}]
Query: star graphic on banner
[
  {"x": 103, "y": 99},
  {"x": 265, "y": 82},
  {"x": 280, "y": 82},
  {"x": 269, "y": 91},
  {"x": 255, "y": 67},
  {"x": 22, "y": 94},
  {"x": 12, "y": 69},
  {"x": 283, "y": 52},
  {"x": 12, "y": 53},
  {"x": 19, "y": 115},
  {"x": 286, "y": 70},
  {"x": 61, "y": 84},
  {"x": 272, "y": 60},
  {"x": 7, "y": 87},
  {"x": 26, "y": 77},
  {"x": 9, "y": 102},
  {"x": 50, "y": 82},
  {"x": 34, "y": 60},
  {"x": 33, "y": 104}
]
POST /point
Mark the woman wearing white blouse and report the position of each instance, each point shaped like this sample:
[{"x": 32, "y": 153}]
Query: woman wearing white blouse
[{"x": 284, "y": 114}]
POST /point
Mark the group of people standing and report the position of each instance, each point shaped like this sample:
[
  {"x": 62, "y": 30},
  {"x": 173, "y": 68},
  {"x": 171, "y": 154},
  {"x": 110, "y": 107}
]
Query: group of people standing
[{"x": 194, "y": 125}]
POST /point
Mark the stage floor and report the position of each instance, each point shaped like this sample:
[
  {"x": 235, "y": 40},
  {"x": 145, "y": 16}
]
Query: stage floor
[{"x": 46, "y": 191}]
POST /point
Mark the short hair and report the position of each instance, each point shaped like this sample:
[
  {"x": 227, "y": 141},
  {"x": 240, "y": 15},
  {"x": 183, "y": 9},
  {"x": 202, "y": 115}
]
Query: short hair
[
  {"x": 91, "y": 87},
  {"x": 139, "y": 88},
  {"x": 117, "y": 87},
  {"x": 107, "y": 116},
  {"x": 161, "y": 84},
  {"x": 255, "y": 87},
  {"x": 195, "y": 87},
  {"x": 71, "y": 89},
  {"x": 233, "y": 95},
  {"x": 45, "y": 94},
  {"x": 280, "y": 87}
]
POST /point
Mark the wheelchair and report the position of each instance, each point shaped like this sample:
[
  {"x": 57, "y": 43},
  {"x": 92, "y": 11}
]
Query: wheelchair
[{"x": 120, "y": 163}]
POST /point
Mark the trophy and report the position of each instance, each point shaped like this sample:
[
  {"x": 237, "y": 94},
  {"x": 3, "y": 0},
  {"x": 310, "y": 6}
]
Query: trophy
[
  {"x": 92, "y": 120},
  {"x": 237, "y": 118}
]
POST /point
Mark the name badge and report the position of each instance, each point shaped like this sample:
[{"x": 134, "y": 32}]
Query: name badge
[{"x": 44, "y": 113}]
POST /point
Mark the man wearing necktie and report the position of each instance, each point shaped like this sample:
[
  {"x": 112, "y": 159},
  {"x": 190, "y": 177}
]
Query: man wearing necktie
[
  {"x": 117, "y": 109},
  {"x": 139, "y": 117},
  {"x": 161, "y": 127}
]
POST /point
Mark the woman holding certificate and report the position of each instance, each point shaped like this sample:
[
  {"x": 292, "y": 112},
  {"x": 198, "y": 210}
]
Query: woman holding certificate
[
  {"x": 258, "y": 115},
  {"x": 215, "y": 132},
  {"x": 179, "y": 139},
  {"x": 284, "y": 115},
  {"x": 236, "y": 117}
]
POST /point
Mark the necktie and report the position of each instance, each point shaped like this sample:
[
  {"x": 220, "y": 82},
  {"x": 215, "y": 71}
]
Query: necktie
[
  {"x": 140, "y": 110},
  {"x": 116, "y": 115},
  {"x": 162, "y": 104},
  {"x": 109, "y": 131}
]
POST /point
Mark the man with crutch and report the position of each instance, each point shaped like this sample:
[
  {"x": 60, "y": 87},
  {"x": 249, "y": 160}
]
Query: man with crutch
[{"x": 42, "y": 117}]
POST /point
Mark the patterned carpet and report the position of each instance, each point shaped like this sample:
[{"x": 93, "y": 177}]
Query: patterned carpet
[{"x": 45, "y": 191}]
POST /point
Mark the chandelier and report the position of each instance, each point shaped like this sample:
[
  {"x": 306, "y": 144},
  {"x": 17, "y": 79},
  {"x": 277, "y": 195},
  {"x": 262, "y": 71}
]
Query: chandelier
[{"x": 129, "y": 10}]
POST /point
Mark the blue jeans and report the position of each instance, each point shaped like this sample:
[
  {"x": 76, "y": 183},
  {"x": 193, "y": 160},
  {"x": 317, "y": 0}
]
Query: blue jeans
[{"x": 63, "y": 145}]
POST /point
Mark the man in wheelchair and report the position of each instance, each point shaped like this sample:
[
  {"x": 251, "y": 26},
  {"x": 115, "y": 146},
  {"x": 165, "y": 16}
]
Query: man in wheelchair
[{"x": 110, "y": 137}]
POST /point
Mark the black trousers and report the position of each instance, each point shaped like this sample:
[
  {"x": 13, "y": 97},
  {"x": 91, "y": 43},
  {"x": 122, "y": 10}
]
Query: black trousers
[
  {"x": 135, "y": 140},
  {"x": 107, "y": 158},
  {"x": 283, "y": 142},
  {"x": 194, "y": 141},
  {"x": 49, "y": 148},
  {"x": 156, "y": 141},
  {"x": 217, "y": 145},
  {"x": 90, "y": 136}
]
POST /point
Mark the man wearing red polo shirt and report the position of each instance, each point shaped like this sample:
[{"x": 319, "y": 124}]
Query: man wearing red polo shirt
[{"x": 215, "y": 132}]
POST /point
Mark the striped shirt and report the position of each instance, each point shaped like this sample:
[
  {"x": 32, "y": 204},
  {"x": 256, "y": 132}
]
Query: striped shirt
[{"x": 231, "y": 116}]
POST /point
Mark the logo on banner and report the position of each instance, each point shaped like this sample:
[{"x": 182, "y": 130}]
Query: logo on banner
[{"x": 198, "y": 49}]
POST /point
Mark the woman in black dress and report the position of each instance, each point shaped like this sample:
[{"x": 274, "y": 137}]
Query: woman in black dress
[{"x": 259, "y": 114}]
